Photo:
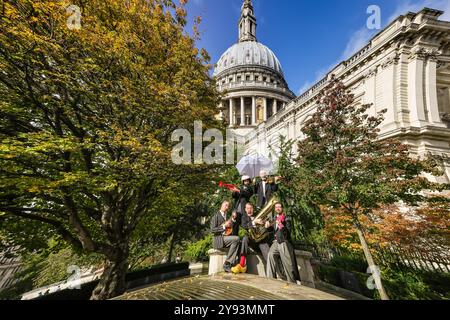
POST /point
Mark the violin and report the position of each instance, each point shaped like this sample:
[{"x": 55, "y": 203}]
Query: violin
[
  {"x": 229, "y": 230},
  {"x": 230, "y": 187}
]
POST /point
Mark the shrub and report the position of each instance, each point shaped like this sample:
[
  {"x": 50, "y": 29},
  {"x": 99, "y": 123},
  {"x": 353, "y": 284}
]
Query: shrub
[
  {"x": 416, "y": 285},
  {"x": 198, "y": 251},
  {"x": 350, "y": 263}
]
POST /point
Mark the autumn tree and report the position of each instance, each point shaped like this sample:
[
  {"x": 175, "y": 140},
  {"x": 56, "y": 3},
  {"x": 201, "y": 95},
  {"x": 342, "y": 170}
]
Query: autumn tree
[
  {"x": 424, "y": 229},
  {"x": 343, "y": 164},
  {"x": 86, "y": 116}
]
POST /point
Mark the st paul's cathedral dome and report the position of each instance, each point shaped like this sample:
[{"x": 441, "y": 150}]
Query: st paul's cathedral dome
[{"x": 251, "y": 78}]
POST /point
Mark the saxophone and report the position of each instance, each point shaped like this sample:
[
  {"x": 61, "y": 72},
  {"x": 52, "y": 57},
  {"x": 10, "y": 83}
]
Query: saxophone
[{"x": 260, "y": 233}]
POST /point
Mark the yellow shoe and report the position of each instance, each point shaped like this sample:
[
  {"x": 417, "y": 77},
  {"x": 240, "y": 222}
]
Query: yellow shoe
[
  {"x": 236, "y": 269},
  {"x": 239, "y": 269}
]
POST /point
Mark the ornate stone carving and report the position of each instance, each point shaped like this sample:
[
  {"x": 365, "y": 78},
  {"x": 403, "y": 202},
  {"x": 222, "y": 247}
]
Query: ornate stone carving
[
  {"x": 390, "y": 61},
  {"x": 441, "y": 64},
  {"x": 417, "y": 53},
  {"x": 371, "y": 73},
  {"x": 445, "y": 117},
  {"x": 424, "y": 53},
  {"x": 433, "y": 54}
]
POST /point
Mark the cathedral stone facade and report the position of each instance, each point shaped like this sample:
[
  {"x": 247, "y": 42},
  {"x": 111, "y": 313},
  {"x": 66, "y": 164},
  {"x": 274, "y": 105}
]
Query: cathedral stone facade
[
  {"x": 251, "y": 76},
  {"x": 405, "y": 69}
]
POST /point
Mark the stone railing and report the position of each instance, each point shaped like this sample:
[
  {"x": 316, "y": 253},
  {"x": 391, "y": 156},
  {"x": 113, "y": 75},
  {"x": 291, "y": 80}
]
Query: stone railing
[
  {"x": 255, "y": 262},
  {"x": 257, "y": 266}
]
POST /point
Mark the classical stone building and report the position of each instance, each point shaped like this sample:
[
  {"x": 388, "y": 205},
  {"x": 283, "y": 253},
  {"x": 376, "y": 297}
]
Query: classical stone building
[
  {"x": 405, "y": 69},
  {"x": 252, "y": 77}
]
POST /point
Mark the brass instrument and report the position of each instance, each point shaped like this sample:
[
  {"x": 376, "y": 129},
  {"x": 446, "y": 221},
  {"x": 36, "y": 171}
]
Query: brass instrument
[{"x": 260, "y": 233}]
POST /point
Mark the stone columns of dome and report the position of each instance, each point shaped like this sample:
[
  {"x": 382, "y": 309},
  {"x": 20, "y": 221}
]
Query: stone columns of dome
[
  {"x": 265, "y": 109},
  {"x": 231, "y": 115},
  {"x": 254, "y": 111},
  {"x": 221, "y": 110},
  {"x": 274, "y": 107},
  {"x": 242, "y": 112}
]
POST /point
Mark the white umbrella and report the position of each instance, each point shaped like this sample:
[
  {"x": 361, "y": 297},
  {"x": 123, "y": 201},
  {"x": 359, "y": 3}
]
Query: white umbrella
[{"x": 251, "y": 165}]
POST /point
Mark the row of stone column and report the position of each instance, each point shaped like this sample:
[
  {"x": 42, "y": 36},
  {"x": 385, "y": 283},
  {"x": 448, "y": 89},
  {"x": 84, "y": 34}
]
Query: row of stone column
[{"x": 232, "y": 109}]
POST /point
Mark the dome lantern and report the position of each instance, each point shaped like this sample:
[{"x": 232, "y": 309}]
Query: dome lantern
[{"x": 247, "y": 22}]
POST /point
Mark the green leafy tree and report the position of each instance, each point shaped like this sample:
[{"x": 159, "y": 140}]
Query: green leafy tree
[
  {"x": 344, "y": 165},
  {"x": 86, "y": 117},
  {"x": 306, "y": 215}
]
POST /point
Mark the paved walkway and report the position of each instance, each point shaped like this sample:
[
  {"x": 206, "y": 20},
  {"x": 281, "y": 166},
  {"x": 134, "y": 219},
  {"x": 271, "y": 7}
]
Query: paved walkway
[{"x": 227, "y": 287}]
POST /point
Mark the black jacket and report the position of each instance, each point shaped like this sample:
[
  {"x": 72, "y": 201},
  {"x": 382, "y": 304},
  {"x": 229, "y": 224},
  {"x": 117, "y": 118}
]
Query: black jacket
[
  {"x": 237, "y": 224},
  {"x": 217, "y": 229},
  {"x": 284, "y": 234},
  {"x": 270, "y": 191},
  {"x": 246, "y": 222},
  {"x": 242, "y": 198}
]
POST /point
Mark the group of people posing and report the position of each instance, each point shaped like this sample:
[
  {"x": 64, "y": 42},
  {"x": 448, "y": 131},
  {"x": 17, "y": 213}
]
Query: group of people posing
[{"x": 276, "y": 248}]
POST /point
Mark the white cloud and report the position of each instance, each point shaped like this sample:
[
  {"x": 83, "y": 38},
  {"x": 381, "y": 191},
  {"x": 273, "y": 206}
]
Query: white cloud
[
  {"x": 361, "y": 37},
  {"x": 317, "y": 77},
  {"x": 415, "y": 6},
  {"x": 305, "y": 87},
  {"x": 357, "y": 41}
]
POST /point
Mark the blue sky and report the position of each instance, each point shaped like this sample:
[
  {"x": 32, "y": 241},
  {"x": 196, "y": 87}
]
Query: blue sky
[{"x": 308, "y": 36}]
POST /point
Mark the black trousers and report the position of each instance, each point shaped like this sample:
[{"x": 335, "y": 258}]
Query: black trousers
[{"x": 248, "y": 243}]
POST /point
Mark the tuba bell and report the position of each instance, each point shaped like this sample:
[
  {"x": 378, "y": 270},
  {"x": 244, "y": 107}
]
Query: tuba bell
[{"x": 260, "y": 233}]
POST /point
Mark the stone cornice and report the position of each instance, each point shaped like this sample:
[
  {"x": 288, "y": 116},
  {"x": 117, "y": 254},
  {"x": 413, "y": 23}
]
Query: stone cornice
[
  {"x": 260, "y": 90},
  {"x": 423, "y": 53},
  {"x": 392, "y": 60},
  {"x": 371, "y": 73},
  {"x": 248, "y": 68}
]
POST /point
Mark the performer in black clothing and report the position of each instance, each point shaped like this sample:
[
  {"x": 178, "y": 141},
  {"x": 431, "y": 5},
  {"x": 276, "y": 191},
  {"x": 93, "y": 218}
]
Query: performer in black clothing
[
  {"x": 237, "y": 218},
  {"x": 242, "y": 195},
  {"x": 282, "y": 247},
  {"x": 248, "y": 222},
  {"x": 222, "y": 229},
  {"x": 265, "y": 189}
]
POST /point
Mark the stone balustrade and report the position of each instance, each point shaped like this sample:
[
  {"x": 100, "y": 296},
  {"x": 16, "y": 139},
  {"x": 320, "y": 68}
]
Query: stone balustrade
[{"x": 256, "y": 265}]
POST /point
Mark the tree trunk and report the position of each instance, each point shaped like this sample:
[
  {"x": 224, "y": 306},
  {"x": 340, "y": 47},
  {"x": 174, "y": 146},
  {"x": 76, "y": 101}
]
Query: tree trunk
[
  {"x": 369, "y": 259},
  {"x": 112, "y": 282},
  {"x": 172, "y": 245}
]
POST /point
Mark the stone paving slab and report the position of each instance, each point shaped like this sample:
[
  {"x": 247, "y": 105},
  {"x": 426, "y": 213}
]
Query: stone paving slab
[{"x": 227, "y": 287}]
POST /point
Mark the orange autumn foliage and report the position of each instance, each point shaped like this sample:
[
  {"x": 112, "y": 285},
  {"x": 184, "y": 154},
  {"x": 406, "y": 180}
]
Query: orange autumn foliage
[{"x": 425, "y": 228}]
